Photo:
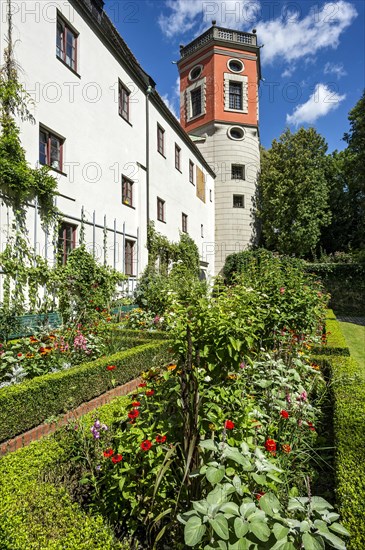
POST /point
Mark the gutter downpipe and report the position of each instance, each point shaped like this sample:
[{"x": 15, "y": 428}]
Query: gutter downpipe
[{"x": 148, "y": 93}]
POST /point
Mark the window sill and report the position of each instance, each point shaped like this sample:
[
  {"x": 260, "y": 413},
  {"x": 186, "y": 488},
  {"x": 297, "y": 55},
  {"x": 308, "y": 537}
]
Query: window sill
[
  {"x": 178, "y": 169},
  {"x": 126, "y": 120},
  {"x": 162, "y": 155},
  {"x": 129, "y": 205},
  {"x": 242, "y": 111},
  {"x": 68, "y": 66},
  {"x": 54, "y": 169},
  {"x": 162, "y": 221},
  {"x": 192, "y": 183},
  {"x": 195, "y": 117}
]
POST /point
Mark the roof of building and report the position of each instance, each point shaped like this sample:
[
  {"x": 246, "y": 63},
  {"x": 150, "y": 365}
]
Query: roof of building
[{"x": 94, "y": 13}]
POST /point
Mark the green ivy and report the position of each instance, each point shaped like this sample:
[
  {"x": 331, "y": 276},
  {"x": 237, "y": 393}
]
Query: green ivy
[{"x": 19, "y": 183}]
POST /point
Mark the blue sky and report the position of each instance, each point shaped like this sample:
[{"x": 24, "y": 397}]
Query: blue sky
[{"x": 312, "y": 58}]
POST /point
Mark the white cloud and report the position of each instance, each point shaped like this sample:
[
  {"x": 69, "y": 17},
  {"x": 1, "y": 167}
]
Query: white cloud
[
  {"x": 321, "y": 102},
  {"x": 171, "y": 104},
  {"x": 287, "y": 73},
  {"x": 290, "y": 38},
  {"x": 332, "y": 68},
  {"x": 197, "y": 15}
]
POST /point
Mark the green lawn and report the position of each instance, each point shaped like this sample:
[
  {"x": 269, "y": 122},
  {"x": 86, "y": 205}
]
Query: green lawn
[{"x": 355, "y": 337}]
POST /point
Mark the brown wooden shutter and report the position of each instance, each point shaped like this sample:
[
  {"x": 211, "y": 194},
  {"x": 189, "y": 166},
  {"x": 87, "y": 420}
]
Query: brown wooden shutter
[{"x": 200, "y": 184}]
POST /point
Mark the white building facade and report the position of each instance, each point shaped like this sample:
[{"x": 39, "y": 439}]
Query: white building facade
[{"x": 120, "y": 157}]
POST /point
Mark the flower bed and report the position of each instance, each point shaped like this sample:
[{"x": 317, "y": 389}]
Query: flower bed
[
  {"x": 43, "y": 353},
  {"x": 30, "y": 403}
]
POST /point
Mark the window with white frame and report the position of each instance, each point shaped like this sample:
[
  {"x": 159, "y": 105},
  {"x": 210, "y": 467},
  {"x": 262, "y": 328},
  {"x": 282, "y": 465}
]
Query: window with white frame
[
  {"x": 235, "y": 93},
  {"x": 66, "y": 43},
  {"x": 66, "y": 241},
  {"x": 237, "y": 172},
  {"x": 160, "y": 210},
  {"x": 191, "y": 172},
  {"x": 184, "y": 222},
  {"x": 160, "y": 140},
  {"x": 124, "y": 94},
  {"x": 238, "y": 201},
  {"x": 129, "y": 258},
  {"x": 127, "y": 191},
  {"x": 195, "y": 96},
  {"x": 177, "y": 157},
  {"x": 50, "y": 149}
]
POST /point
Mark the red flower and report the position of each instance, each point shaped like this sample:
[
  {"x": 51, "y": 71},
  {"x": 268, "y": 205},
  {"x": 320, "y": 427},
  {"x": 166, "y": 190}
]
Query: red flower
[
  {"x": 286, "y": 448},
  {"x": 150, "y": 392},
  {"x": 136, "y": 404},
  {"x": 20, "y": 354},
  {"x": 270, "y": 445},
  {"x": 133, "y": 414},
  {"x": 284, "y": 414},
  {"x": 282, "y": 290},
  {"x": 229, "y": 425},
  {"x": 108, "y": 453},
  {"x": 160, "y": 439},
  {"x": 111, "y": 367},
  {"x": 146, "y": 445},
  {"x": 116, "y": 459},
  {"x": 142, "y": 385},
  {"x": 311, "y": 427},
  {"x": 259, "y": 495}
]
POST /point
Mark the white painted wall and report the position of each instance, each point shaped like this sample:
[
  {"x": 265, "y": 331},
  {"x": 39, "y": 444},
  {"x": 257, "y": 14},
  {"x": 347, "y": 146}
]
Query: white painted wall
[
  {"x": 233, "y": 226},
  {"x": 99, "y": 144}
]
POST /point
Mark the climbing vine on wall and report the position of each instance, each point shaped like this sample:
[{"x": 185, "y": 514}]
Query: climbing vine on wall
[
  {"x": 19, "y": 182},
  {"x": 168, "y": 264}
]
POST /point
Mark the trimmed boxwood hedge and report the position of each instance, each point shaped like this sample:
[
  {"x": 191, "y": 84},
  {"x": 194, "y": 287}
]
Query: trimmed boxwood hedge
[
  {"x": 348, "y": 391},
  {"x": 38, "y": 515},
  {"x": 336, "y": 343},
  {"x": 348, "y": 380},
  {"x": 30, "y": 403},
  {"x": 138, "y": 334}
]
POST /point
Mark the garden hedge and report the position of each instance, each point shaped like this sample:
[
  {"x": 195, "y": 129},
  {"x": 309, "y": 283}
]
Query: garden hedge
[
  {"x": 30, "y": 403},
  {"x": 348, "y": 390},
  {"x": 336, "y": 343},
  {"x": 138, "y": 334},
  {"x": 346, "y": 284},
  {"x": 39, "y": 515},
  {"x": 348, "y": 380}
]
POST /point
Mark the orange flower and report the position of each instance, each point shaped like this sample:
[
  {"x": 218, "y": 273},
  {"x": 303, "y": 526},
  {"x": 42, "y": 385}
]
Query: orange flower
[
  {"x": 286, "y": 448},
  {"x": 29, "y": 355},
  {"x": 171, "y": 367}
]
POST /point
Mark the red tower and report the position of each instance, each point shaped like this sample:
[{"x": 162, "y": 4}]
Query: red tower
[{"x": 219, "y": 79}]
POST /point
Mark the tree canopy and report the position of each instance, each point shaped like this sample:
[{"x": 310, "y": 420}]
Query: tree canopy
[{"x": 293, "y": 193}]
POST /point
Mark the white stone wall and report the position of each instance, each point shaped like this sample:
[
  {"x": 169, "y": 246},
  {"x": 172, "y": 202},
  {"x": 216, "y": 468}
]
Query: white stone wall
[
  {"x": 233, "y": 226},
  {"x": 100, "y": 145}
]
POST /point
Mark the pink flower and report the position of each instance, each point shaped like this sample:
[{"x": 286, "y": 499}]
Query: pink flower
[
  {"x": 282, "y": 290},
  {"x": 303, "y": 396}
]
